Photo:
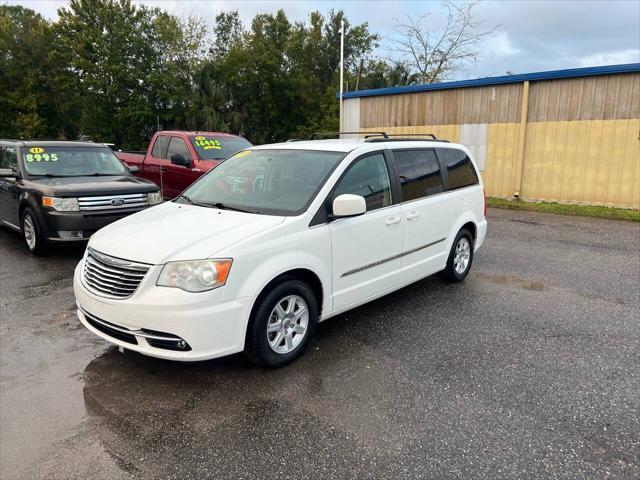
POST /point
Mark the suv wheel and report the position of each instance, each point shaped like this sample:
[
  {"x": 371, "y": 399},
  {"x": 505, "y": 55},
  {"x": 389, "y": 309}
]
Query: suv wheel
[
  {"x": 282, "y": 325},
  {"x": 460, "y": 258},
  {"x": 32, "y": 232}
]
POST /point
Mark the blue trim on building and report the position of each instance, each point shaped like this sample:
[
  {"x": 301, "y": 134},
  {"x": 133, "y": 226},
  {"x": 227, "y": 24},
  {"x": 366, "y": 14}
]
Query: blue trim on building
[{"x": 550, "y": 75}]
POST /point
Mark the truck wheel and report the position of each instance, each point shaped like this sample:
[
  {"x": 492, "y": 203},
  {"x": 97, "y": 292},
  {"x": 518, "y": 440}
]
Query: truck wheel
[
  {"x": 282, "y": 325},
  {"x": 32, "y": 233}
]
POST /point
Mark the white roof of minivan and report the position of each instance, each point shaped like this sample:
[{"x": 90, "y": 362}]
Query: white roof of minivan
[{"x": 343, "y": 144}]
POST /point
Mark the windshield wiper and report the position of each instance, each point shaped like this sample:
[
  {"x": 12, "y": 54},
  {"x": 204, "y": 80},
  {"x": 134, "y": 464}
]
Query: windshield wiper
[
  {"x": 224, "y": 206},
  {"x": 191, "y": 202}
]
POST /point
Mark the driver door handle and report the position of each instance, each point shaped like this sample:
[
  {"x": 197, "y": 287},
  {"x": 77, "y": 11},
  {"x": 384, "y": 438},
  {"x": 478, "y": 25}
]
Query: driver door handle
[
  {"x": 413, "y": 215},
  {"x": 163, "y": 169},
  {"x": 393, "y": 220}
]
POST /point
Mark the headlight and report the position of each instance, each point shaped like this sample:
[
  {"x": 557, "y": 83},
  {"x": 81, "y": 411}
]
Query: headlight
[
  {"x": 61, "y": 204},
  {"x": 195, "y": 275},
  {"x": 154, "y": 198}
]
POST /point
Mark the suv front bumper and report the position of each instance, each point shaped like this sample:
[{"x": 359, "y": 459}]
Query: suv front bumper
[{"x": 87, "y": 223}]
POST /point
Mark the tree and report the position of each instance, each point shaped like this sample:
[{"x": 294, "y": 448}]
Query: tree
[
  {"x": 26, "y": 98},
  {"x": 435, "y": 54}
]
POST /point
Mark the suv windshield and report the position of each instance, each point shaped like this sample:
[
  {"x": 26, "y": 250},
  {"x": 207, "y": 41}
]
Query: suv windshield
[
  {"x": 71, "y": 161},
  {"x": 212, "y": 147},
  {"x": 278, "y": 182}
]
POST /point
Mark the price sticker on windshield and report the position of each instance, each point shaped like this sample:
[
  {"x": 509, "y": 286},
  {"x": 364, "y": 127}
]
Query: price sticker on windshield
[
  {"x": 205, "y": 144},
  {"x": 38, "y": 154}
]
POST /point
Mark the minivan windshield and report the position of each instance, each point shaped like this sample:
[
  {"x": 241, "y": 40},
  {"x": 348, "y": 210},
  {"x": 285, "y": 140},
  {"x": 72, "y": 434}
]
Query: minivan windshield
[
  {"x": 72, "y": 161},
  {"x": 216, "y": 147},
  {"x": 276, "y": 182}
]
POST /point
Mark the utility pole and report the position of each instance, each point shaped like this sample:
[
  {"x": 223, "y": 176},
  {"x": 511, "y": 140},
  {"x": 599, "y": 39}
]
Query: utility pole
[{"x": 340, "y": 125}]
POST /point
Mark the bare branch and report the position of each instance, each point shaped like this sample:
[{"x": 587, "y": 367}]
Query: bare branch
[{"x": 435, "y": 53}]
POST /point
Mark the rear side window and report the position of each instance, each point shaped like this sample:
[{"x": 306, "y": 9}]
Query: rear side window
[
  {"x": 160, "y": 147},
  {"x": 419, "y": 173},
  {"x": 460, "y": 170}
]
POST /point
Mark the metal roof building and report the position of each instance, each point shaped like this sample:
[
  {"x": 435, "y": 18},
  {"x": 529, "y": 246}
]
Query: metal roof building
[{"x": 565, "y": 135}]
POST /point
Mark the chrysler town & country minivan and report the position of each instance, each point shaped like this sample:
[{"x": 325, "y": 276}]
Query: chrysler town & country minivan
[{"x": 278, "y": 238}]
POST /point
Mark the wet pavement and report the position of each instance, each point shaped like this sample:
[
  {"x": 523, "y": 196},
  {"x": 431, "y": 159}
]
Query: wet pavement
[{"x": 529, "y": 369}]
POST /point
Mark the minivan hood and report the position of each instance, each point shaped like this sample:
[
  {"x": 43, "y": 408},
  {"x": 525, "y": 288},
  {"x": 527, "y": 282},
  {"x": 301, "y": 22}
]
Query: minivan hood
[{"x": 173, "y": 231}]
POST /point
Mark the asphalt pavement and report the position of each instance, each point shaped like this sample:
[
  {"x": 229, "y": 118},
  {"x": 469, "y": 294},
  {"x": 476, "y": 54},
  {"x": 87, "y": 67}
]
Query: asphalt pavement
[{"x": 528, "y": 369}]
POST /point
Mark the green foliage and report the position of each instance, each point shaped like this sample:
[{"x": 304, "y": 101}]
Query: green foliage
[{"x": 115, "y": 71}]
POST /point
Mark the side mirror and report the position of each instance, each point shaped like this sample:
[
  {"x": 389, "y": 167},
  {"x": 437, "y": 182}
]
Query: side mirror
[
  {"x": 178, "y": 159},
  {"x": 7, "y": 173},
  {"x": 348, "y": 205},
  {"x": 133, "y": 168}
]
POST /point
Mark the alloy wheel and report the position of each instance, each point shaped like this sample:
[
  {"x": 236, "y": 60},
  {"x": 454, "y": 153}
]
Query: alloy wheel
[{"x": 288, "y": 323}]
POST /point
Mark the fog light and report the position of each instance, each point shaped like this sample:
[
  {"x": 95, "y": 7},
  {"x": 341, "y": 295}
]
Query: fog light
[
  {"x": 70, "y": 234},
  {"x": 181, "y": 344}
]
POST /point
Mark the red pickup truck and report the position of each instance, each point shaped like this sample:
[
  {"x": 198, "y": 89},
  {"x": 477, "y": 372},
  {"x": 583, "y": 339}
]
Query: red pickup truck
[{"x": 175, "y": 159}]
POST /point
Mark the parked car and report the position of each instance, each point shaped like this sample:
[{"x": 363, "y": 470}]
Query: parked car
[
  {"x": 175, "y": 159},
  {"x": 278, "y": 238},
  {"x": 65, "y": 191}
]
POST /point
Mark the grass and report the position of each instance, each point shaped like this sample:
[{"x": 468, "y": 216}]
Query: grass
[{"x": 566, "y": 209}]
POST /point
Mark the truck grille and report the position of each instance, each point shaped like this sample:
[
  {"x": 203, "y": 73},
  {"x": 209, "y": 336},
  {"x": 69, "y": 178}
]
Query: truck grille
[
  {"x": 112, "y": 277},
  {"x": 110, "y": 202}
]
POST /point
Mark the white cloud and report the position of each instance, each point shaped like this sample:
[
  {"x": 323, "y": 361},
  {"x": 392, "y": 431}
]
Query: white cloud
[{"x": 630, "y": 55}]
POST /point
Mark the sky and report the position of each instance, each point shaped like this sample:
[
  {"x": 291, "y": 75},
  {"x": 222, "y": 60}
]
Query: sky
[{"x": 531, "y": 36}]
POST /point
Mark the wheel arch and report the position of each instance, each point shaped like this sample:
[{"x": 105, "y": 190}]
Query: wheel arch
[{"x": 466, "y": 220}]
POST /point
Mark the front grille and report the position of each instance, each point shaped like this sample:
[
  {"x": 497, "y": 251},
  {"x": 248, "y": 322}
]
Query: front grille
[
  {"x": 112, "y": 277},
  {"x": 110, "y": 202}
]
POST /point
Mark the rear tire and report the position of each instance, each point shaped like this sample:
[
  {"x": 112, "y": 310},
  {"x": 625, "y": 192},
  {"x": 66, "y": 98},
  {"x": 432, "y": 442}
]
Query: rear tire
[
  {"x": 32, "y": 232},
  {"x": 460, "y": 258},
  {"x": 282, "y": 324}
]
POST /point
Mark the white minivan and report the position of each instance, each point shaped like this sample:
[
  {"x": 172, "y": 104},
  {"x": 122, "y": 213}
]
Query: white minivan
[{"x": 278, "y": 238}]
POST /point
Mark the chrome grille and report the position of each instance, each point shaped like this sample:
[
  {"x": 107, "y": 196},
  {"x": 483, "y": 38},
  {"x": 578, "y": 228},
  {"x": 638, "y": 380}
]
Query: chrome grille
[
  {"x": 110, "y": 202},
  {"x": 112, "y": 277}
]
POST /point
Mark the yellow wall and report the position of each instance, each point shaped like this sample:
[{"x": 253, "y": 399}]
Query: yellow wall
[{"x": 592, "y": 161}]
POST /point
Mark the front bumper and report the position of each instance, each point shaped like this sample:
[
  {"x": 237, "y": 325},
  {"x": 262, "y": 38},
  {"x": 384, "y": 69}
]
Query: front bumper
[
  {"x": 87, "y": 223},
  {"x": 211, "y": 328}
]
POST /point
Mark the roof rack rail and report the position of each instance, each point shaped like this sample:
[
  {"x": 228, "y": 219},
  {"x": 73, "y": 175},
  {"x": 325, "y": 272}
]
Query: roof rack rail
[
  {"x": 375, "y": 136},
  {"x": 400, "y": 137},
  {"x": 317, "y": 135}
]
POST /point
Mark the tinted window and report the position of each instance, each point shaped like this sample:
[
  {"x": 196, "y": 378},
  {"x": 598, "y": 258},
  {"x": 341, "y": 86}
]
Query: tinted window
[
  {"x": 211, "y": 147},
  {"x": 160, "y": 147},
  {"x": 8, "y": 158},
  {"x": 459, "y": 168},
  {"x": 177, "y": 146},
  {"x": 368, "y": 178},
  {"x": 419, "y": 173}
]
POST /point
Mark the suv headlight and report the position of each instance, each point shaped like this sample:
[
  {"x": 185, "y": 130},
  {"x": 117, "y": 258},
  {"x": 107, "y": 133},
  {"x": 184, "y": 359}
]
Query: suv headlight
[
  {"x": 154, "y": 198},
  {"x": 195, "y": 275},
  {"x": 61, "y": 204}
]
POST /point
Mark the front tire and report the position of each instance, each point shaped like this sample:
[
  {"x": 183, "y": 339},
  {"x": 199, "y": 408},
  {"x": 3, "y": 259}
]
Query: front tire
[
  {"x": 282, "y": 325},
  {"x": 32, "y": 232},
  {"x": 460, "y": 258}
]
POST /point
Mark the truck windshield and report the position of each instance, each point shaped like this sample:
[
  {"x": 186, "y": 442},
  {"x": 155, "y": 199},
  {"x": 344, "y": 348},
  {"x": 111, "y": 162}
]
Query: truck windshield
[
  {"x": 212, "y": 147},
  {"x": 72, "y": 161},
  {"x": 276, "y": 182}
]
